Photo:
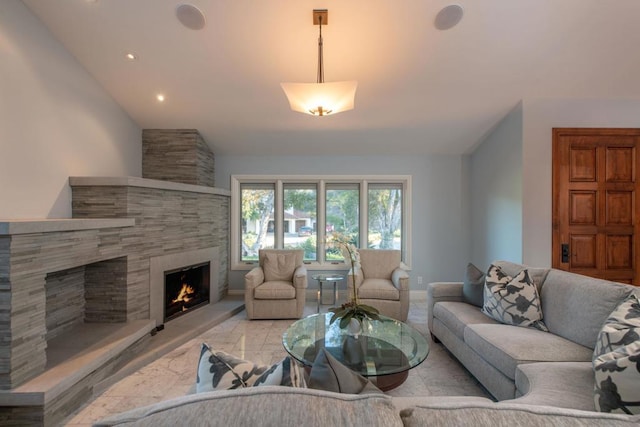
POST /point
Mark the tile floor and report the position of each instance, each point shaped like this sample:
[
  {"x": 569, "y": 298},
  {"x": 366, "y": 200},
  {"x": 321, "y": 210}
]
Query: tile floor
[{"x": 261, "y": 341}]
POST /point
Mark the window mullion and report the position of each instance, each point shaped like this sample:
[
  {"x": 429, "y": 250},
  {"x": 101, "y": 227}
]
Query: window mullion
[
  {"x": 364, "y": 214},
  {"x": 322, "y": 222},
  {"x": 278, "y": 230}
]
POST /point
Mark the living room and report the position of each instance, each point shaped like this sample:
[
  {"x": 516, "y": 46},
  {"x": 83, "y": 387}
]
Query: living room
[{"x": 477, "y": 146}]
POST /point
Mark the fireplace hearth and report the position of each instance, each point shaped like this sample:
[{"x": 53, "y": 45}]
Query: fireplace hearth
[{"x": 186, "y": 289}]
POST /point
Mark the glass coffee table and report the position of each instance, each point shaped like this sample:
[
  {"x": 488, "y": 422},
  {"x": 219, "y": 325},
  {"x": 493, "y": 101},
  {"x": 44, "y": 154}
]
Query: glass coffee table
[{"x": 384, "y": 351}]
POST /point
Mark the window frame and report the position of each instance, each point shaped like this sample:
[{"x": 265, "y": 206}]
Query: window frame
[{"x": 320, "y": 181}]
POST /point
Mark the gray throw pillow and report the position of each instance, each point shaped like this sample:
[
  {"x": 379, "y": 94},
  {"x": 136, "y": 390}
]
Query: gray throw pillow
[
  {"x": 329, "y": 374},
  {"x": 616, "y": 360},
  {"x": 473, "y": 286}
]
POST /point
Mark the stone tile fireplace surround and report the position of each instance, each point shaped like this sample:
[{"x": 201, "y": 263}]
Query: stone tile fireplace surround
[{"x": 104, "y": 266}]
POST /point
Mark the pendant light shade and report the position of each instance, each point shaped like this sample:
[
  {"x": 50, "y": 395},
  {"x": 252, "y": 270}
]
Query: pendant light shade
[{"x": 320, "y": 98}]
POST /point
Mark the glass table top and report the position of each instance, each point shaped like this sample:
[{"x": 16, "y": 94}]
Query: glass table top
[{"x": 384, "y": 347}]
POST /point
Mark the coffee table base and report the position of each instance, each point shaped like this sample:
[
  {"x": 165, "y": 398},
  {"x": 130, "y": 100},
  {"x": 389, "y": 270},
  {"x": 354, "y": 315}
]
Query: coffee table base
[{"x": 389, "y": 382}]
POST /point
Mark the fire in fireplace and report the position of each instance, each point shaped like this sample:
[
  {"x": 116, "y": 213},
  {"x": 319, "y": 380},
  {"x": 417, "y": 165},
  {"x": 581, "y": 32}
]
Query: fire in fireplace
[{"x": 185, "y": 289}]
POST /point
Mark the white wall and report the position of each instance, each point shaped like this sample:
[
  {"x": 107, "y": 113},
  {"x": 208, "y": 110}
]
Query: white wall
[
  {"x": 495, "y": 176},
  {"x": 439, "y": 228},
  {"x": 56, "y": 121},
  {"x": 540, "y": 117}
]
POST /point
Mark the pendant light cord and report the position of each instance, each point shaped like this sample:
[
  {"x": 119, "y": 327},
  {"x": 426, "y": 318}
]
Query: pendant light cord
[{"x": 320, "y": 56}]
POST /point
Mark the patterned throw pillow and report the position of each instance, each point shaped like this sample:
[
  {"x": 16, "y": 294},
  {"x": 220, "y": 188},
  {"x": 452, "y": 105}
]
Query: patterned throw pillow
[
  {"x": 616, "y": 360},
  {"x": 222, "y": 371},
  {"x": 512, "y": 300}
]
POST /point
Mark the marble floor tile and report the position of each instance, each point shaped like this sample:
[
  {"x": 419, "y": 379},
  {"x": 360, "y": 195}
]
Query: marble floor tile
[{"x": 260, "y": 341}]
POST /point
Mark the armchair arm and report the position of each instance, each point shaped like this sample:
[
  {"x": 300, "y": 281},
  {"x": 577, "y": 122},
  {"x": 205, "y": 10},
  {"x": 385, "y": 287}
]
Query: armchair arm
[
  {"x": 300, "y": 277},
  {"x": 253, "y": 278},
  {"x": 400, "y": 279}
]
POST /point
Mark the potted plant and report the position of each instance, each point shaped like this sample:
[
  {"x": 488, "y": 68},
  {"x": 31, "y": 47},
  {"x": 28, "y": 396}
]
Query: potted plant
[{"x": 352, "y": 313}]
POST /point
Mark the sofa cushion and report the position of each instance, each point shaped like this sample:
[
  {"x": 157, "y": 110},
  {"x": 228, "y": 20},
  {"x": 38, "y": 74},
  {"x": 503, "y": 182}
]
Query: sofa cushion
[
  {"x": 559, "y": 384},
  {"x": 575, "y": 306},
  {"x": 218, "y": 370},
  {"x": 473, "y": 286},
  {"x": 265, "y": 406},
  {"x": 378, "y": 289},
  {"x": 275, "y": 290},
  {"x": 505, "y": 347},
  {"x": 462, "y": 414},
  {"x": 512, "y": 300},
  {"x": 279, "y": 266},
  {"x": 617, "y": 360},
  {"x": 457, "y": 315},
  {"x": 329, "y": 374}
]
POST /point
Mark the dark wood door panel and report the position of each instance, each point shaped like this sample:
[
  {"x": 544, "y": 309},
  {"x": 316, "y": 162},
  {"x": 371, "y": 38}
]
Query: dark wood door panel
[{"x": 594, "y": 202}]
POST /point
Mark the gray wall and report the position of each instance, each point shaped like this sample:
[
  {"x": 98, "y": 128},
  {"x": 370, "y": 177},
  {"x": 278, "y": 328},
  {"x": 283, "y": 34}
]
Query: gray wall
[
  {"x": 439, "y": 229},
  {"x": 56, "y": 121},
  {"x": 495, "y": 186}
]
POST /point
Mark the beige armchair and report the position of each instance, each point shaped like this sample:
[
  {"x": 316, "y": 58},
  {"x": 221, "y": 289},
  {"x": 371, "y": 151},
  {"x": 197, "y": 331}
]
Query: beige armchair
[
  {"x": 276, "y": 289},
  {"x": 381, "y": 283}
]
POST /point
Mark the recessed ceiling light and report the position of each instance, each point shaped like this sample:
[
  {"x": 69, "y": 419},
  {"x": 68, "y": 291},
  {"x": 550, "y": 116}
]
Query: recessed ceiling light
[
  {"x": 160, "y": 97},
  {"x": 131, "y": 56}
]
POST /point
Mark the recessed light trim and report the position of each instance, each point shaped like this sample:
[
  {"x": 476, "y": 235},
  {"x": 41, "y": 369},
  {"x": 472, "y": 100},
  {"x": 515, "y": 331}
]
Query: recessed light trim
[
  {"x": 190, "y": 16},
  {"x": 160, "y": 97},
  {"x": 449, "y": 17},
  {"x": 131, "y": 56}
]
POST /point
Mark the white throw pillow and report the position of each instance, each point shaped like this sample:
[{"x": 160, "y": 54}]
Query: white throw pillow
[
  {"x": 218, "y": 370},
  {"x": 512, "y": 300}
]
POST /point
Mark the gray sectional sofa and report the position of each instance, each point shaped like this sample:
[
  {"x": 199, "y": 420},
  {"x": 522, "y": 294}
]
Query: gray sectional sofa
[
  {"x": 279, "y": 406},
  {"x": 534, "y": 367},
  {"x": 540, "y": 379}
]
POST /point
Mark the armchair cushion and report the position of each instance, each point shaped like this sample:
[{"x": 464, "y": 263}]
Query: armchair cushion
[
  {"x": 379, "y": 263},
  {"x": 378, "y": 289},
  {"x": 279, "y": 266},
  {"x": 275, "y": 289}
]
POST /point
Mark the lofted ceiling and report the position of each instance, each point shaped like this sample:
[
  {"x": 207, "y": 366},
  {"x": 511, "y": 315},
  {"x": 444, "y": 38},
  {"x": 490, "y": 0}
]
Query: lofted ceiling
[{"x": 420, "y": 89}]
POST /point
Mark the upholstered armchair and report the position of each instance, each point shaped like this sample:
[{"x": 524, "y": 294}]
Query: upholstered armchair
[
  {"x": 381, "y": 283},
  {"x": 276, "y": 288}
]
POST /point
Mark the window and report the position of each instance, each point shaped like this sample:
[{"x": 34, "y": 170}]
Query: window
[{"x": 292, "y": 212}]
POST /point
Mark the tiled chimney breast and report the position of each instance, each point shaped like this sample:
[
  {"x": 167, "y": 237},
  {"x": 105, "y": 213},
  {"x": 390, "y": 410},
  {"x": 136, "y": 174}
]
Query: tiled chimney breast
[{"x": 178, "y": 155}]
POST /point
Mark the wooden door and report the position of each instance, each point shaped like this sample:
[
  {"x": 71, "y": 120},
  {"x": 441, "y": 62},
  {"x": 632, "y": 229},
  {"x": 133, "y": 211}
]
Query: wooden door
[{"x": 595, "y": 208}]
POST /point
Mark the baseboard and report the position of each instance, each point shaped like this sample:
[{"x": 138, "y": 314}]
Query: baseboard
[{"x": 312, "y": 294}]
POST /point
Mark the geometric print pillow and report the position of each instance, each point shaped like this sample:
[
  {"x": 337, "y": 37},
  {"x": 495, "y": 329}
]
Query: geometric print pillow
[
  {"x": 616, "y": 360},
  {"x": 222, "y": 371},
  {"x": 512, "y": 300}
]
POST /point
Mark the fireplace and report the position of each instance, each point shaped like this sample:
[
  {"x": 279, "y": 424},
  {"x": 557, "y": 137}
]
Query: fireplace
[{"x": 185, "y": 289}]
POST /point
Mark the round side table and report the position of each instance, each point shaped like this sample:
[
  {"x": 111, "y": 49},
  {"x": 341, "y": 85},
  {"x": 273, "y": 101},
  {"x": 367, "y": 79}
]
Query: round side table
[{"x": 322, "y": 279}]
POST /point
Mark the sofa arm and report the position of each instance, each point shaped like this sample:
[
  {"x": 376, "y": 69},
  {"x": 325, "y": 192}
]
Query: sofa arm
[
  {"x": 441, "y": 291},
  {"x": 300, "y": 277},
  {"x": 253, "y": 278}
]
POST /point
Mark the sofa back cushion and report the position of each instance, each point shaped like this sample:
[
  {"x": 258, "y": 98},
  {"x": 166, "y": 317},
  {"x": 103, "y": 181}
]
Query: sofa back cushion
[
  {"x": 265, "y": 406},
  {"x": 536, "y": 274},
  {"x": 280, "y": 264},
  {"x": 575, "y": 307}
]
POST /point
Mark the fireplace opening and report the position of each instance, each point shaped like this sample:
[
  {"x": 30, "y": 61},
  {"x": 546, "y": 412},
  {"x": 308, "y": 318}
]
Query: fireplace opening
[{"x": 185, "y": 289}]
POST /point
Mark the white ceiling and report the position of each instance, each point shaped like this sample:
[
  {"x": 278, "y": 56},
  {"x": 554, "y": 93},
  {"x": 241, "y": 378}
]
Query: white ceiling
[{"x": 420, "y": 89}]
